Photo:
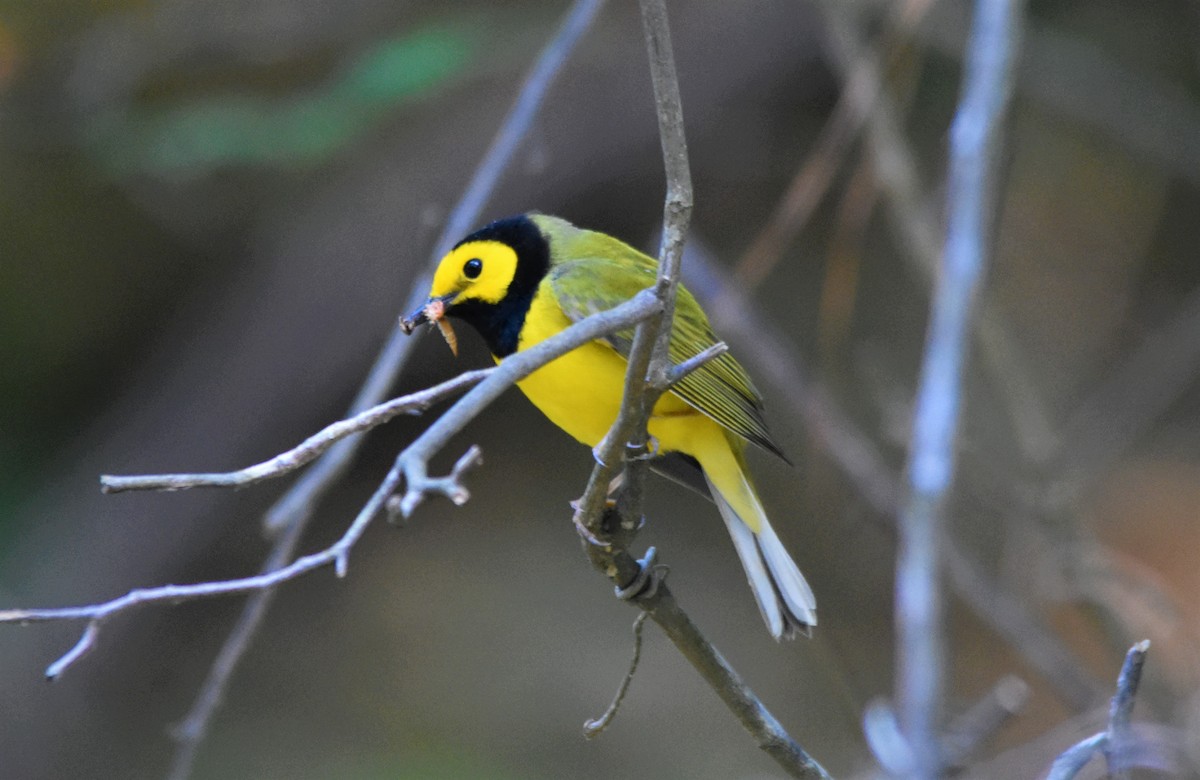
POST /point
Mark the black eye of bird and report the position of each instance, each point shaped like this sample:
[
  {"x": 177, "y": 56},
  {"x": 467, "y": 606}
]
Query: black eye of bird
[{"x": 473, "y": 268}]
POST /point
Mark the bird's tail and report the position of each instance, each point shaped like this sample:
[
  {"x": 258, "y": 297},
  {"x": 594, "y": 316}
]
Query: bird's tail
[{"x": 784, "y": 597}]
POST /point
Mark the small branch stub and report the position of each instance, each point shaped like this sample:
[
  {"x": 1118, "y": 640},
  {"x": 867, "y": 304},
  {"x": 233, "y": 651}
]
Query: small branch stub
[
  {"x": 419, "y": 484},
  {"x": 596, "y": 726}
]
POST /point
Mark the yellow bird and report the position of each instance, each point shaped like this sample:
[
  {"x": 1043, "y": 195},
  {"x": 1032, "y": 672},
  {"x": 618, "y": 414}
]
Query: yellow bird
[{"x": 521, "y": 280}]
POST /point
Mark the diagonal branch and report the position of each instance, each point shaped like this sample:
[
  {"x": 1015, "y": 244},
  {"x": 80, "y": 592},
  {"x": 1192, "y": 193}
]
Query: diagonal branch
[
  {"x": 914, "y": 223},
  {"x": 292, "y": 511},
  {"x": 648, "y": 375},
  {"x": 305, "y": 452},
  {"x": 409, "y": 464},
  {"x": 303, "y": 496}
]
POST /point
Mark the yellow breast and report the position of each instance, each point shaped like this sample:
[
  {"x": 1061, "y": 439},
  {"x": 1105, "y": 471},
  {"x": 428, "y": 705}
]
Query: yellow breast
[{"x": 581, "y": 391}]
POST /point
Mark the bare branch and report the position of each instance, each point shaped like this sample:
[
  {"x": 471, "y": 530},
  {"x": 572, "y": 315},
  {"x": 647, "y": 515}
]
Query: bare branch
[
  {"x": 1118, "y": 743},
  {"x": 306, "y": 451},
  {"x": 596, "y": 726},
  {"x": 975, "y": 140},
  {"x": 650, "y": 370},
  {"x": 1073, "y": 759},
  {"x": 415, "y": 456},
  {"x": 1120, "y": 713},
  {"x": 81, "y": 648},
  {"x": 304, "y": 494},
  {"x": 191, "y": 731},
  {"x": 969, "y": 730},
  {"x": 420, "y": 484},
  {"x": 292, "y": 511},
  {"x": 649, "y": 363},
  {"x": 681, "y": 370}
]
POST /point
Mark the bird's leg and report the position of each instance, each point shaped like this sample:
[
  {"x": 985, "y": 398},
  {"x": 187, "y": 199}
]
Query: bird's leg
[
  {"x": 610, "y": 508},
  {"x": 583, "y": 531}
]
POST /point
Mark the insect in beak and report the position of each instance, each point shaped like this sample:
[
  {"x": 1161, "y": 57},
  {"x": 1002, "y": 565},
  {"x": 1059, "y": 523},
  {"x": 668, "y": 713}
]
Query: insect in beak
[{"x": 433, "y": 312}]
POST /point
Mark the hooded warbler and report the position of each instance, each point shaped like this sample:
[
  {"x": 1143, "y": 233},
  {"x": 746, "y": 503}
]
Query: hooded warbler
[{"x": 519, "y": 281}]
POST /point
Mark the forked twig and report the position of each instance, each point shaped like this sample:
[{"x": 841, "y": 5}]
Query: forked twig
[
  {"x": 412, "y": 459},
  {"x": 305, "y": 452},
  {"x": 1117, "y": 742},
  {"x": 648, "y": 373},
  {"x": 292, "y": 511}
]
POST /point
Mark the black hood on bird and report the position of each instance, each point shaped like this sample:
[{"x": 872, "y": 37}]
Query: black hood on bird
[{"x": 500, "y": 323}]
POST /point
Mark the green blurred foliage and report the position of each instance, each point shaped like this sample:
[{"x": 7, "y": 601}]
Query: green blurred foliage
[{"x": 202, "y": 134}]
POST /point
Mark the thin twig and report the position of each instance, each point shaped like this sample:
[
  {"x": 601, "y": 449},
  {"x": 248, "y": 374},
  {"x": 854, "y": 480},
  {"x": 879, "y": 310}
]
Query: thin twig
[
  {"x": 815, "y": 175},
  {"x": 411, "y": 461},
  {"x": 975, "y": 142},
  {"x": 916, "y": 226},
  {"x": 1117, "y": 741},
  {"x": 513, "y": 130},
  {"x": 1120, "y": 737},
  {"x": 649, "y": 363},
  {"x": 773, "y": 357},
  {"x": 594, "y": 727},
  {"x": 1073, "y": 759},
  {"x": 191, "y": 731},
  {"x": 306, "y": 451},
  {"x": 294, "y": 508},
  {"x": 678, "y": 372},
  {"x": 648, "y": 372},
  {"x": 97, "y": 614},
  {"x": 970, "y": 729}
]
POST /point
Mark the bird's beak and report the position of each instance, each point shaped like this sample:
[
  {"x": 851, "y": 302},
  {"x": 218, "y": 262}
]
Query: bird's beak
[
  {"x": 430, "y": 311},
  {"x": 433, "y": 311}
]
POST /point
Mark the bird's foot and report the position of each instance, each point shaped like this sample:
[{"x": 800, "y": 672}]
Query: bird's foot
[
  {"x": 645, "y": 583},
  {"x": 584, "y": 532},
  {"x": 648, "y": 451}
]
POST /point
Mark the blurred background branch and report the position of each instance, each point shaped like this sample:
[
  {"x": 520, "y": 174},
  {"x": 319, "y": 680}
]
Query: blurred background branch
[{"x": 975, "y": 143}]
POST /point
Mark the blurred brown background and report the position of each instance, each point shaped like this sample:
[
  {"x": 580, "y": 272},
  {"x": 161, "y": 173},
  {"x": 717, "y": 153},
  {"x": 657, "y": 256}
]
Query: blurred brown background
[{"x": 210, "y": 215}]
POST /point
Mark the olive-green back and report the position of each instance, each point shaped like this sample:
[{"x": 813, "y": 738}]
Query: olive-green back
[{"x": 591, "y": 272}]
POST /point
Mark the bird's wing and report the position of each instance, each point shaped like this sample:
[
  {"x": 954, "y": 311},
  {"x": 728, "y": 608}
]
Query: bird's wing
[{"x": 720, "y": 389}]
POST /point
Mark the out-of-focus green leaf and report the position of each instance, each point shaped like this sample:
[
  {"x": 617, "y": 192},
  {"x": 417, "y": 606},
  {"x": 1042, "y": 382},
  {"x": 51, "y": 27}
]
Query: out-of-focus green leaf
[{"x": 239, "y": 129}]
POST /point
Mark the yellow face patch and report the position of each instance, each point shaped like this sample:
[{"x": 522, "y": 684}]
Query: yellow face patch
[{"x": 477, "y": 270}]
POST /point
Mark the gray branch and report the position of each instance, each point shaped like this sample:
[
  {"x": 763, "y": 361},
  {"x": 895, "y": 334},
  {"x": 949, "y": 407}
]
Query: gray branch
[
  {"x": 767, "y": 350},
  {"x": 1119, "y": 743},
  {"x": 305, "y": 452},
  {"x": 1120, "y": 714},
  {"x": 410, "y": 465},
  {"x": 292, "y": 511},
  {"x": 648, "y": 375},
  {"x": 975, "y": 141},
  {"x": 304, "y": 495}
]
